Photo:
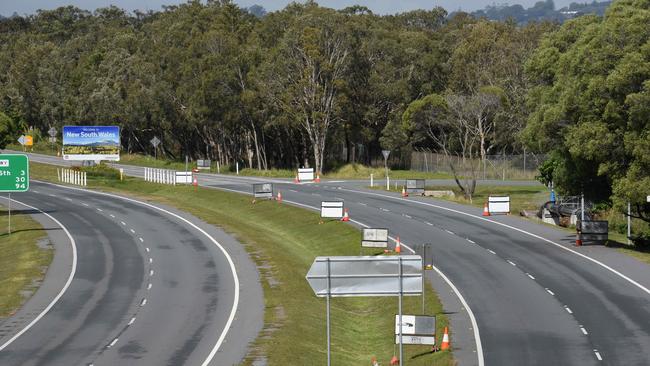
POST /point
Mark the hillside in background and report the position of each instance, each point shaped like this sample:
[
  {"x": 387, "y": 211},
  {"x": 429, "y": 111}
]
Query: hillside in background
[{"x": 541, "y": 11}]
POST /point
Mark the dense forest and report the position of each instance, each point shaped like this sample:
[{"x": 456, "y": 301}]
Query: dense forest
[{"x": 314, "y": 86}]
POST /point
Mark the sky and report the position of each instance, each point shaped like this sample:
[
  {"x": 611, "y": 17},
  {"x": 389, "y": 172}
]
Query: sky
[{"x": 8, "y": 7}]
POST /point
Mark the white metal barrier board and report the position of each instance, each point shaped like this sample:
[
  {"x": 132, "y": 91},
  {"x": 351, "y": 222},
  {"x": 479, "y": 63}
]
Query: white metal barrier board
[{"x": 499, "y": 204}]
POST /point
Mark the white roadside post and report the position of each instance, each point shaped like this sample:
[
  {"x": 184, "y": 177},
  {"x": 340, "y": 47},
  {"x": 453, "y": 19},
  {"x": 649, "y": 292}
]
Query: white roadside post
[
  {"x": 371, "y": 181},
  {"x": 386, "y": 153},
  {"x": 629, "y": 222}
]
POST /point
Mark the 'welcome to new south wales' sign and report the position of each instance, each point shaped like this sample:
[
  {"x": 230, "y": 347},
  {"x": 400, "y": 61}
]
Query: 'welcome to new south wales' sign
[{"x": 91, "y": 143}]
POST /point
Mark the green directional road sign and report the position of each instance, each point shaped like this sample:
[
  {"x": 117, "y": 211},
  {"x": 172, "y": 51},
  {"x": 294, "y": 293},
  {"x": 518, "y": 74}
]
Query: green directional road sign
[{"x": 14, "y": 173}]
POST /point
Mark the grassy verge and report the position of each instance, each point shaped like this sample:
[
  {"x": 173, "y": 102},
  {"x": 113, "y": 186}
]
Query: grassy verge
[
  {"x": 22, "y": 262},
  {"x": 283, "y": 241}
]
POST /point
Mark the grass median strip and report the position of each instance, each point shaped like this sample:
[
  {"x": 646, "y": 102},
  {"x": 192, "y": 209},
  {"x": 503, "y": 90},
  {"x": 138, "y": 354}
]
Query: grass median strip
[
  {"x": 283, "y": 241},
  {"x": 23, "y": 262}
]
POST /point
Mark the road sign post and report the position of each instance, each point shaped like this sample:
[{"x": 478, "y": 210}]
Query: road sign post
[
  {"x": 365, "y": 276},
  {"x": 14, "y": 177},
  {"x": 155, "y": 141}
]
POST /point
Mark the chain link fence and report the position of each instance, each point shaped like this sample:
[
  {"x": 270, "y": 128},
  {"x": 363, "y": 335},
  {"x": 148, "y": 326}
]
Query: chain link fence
[{"x": 504, "y": 166}]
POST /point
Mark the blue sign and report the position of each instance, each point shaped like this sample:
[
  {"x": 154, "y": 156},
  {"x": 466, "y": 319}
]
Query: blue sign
[{"x": 91, "y": 143}]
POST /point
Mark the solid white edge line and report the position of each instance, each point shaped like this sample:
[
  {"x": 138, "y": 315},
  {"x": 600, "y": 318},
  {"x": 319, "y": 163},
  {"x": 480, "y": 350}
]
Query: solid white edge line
[
  {"x": 472, "y": 318},
  {"x": 231, "y": 263},
  {"x": 65, "y": 287},
  {"x": 603, "y": 265}
]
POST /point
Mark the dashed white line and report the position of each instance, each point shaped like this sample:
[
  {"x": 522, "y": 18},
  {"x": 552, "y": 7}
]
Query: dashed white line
[
  {"x": 512, "y": 263},
  {"x": 150, "y": 260},
  {"x": 123, "y": 223},
  {"x": 35, "y": 191},
  {"x": 147, "y": 249},
  {"x": 113, "y": 216},
  {"x": 584, "y": 331},
  {"x": 471, "y": 241},
  {"x": 568, "y": 310},
  {"x": 149, "y": 286},
  {"x": 492, "y": 251},
  {"x": 293, "y": 190},
  {"x": 362, "y": 204},
  {"x": 407, "y": 216},
  {"x": 67, "y": 198},
  {"x": 51, "y": 195},
  {"x": 113, "y": 343},
  {"x": 550, "y": 292},
  {"x": 132, "y": 231},
  {"x": 598, "y": 356},
  {"x": 85, "y": 204},
  {"x": 530, "y": 275},
  {"x": 151, "y": 272},
  {"x": 141, "y": 240},
  {"x": 383, "y": 209},
  {"x": 450, "y": 232},
  {"x": 99, "y": 209},
  {"x": 428, "y": 223},
  {"x": 144, "y": 302},
  {"x": 131, "y": 321}
]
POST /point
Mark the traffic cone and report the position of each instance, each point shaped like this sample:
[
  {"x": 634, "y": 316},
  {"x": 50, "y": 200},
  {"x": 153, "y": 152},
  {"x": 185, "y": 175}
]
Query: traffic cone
[
  {"x": 486, "y": 211},
  {"x": 317, "y": 180},
  {"x": 398, "y": 246},
  {"x": 346, "y": 217},
  {"x": 373, "y": 362},
  {"x": 404, "y": 193},
  {"x": 445, "y": 340},
  {"x": 195, "y": 181},
  {"x": 296, "y": 180},
  {"x": 394, "y": 361},
  {"x": 578, "y": 239},
  {"x": 279, "y": 199}
]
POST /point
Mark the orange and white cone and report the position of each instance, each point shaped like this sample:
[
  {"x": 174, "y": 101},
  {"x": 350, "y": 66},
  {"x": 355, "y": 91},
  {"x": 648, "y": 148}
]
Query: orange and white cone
[
  {"x": 486, "y": 211},
  {"x": 578, "y": 239},
  {"x": 195, "y": 181},
  {"x": 445, "y": 340},
  {"x": 398, "y": 246},
  {"x": 346, "y": 217},
  {"x": 373, "y": 361},
  {"x": 404, "y": 193},
  {"x": 317, "y": 180},
  {"x": 394, "y": 361},
  {"x": 296, "y": 179},
  {"x": 279, "y": 199}
]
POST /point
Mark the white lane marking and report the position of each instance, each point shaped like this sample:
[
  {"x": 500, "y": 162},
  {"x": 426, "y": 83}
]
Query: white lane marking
[
  {"x": 149, "y": 286},
  {"x": 235, "y": 304},
  {"x": 428, "y": 223},
  {"x": 113, "y": 216},
  {"x": 113, "y": 343},
  {"x": 450, "y": 232},
  {"x": 85, "y": 204},
  {"x": 362, "y": 204},
  {"x": 141, "y": 240},
  {"x": 512, "y": 263},
  {"x": 315, "y": 194},
  {"x": 584, "y": 331},
  {"x": 293, "y": 190},
  {"x": 131, "y": 321},
  {"x": 471, "y": 241},
  {"x": 51, "y": 195},
  {"x": 568, "y": 310},
  {"x": 150, "y": 272},
  {"x": 63, "y": 290},
  {"x": 99, "y": 209},
  {"x": 383, "y": 209},
  {"x": 132, "y": 231},
  {"x": 68, "y": 199},
  {"x": 492, "y": 251},
  {"x": 150, "y": 260},
  {"x": 123, "y": 223},
  {"x": 598, "y": 356},
  {"x": 147, "y": 249},
  {"x": 530, "y": 275},
  {"x": 550, "y": 292},
  {"x": 470, "y": 313},
  {"x": 626, "y": 278},
  {"x": 144, "y": 302},
  {"x": 35, "y": 191},
  {"x": 407, "y": 216}
]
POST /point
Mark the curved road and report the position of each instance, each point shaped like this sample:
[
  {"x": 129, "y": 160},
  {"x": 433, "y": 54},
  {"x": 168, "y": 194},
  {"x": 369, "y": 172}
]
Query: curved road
[
  {"x": 148, "y": 289},
  {"x": 537, "y": 299}
]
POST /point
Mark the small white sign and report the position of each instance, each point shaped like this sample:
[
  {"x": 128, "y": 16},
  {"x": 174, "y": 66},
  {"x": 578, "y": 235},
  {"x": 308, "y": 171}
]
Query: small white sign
[
  {"x": 648, "y": 199},
  {"x": 305, "y": 174},
  {"x": 331, "y": 210},
  {"x": 4, "y": 163},
  {"x": 408, "y": 324},
  {"x": 183, "y": 177},
  {"x": 413, "y": 339},
  {"x": 375, "y": 238},
  {"x": 499, "y": 204}
]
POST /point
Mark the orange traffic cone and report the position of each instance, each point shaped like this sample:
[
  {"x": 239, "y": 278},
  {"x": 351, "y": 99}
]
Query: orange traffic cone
[
  {"x": 279, "y": 199},
  {"x": 398, "y": 246},
  {"x": 195, "y": 181},
  {"x": 445, "y": 340},
  {"x": 346, "y": 217},
  {"x": 394, "y": 361},
  {"x": 317, "y": 180},
  {"x": 578, "y": 239},
  {"x": 486, "y": 211},
  {"x": 296, "y": 180},
  {"x": 373, "y": 361},
  {"x": 404, "y": 193}
]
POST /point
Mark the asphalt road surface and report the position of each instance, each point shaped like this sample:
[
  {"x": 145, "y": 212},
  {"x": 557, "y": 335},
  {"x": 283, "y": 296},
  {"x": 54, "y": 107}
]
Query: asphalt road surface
[
  {"x": 536, "y": 299},
  {"x": 149, "y": 287}
]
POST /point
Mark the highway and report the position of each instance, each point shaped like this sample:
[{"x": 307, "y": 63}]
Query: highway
[
  {"x": 147, "y": 285},
  {"x": 535, "y": 299}
]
